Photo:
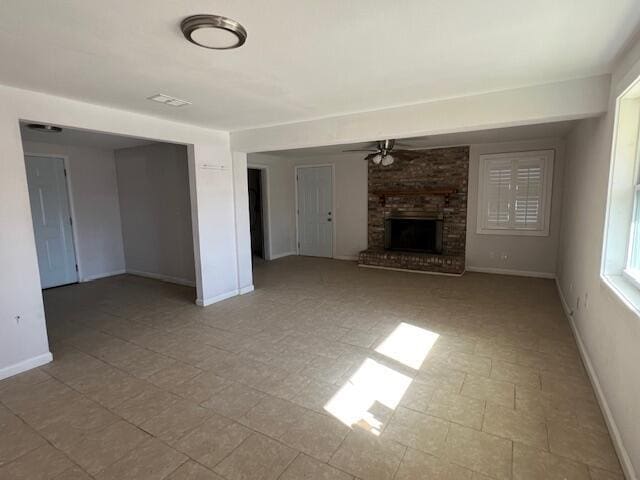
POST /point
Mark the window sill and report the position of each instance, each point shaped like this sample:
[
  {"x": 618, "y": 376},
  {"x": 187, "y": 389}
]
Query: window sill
[
  {"x": 511, "y": 232},
  {"x": 623, "y": 290}
]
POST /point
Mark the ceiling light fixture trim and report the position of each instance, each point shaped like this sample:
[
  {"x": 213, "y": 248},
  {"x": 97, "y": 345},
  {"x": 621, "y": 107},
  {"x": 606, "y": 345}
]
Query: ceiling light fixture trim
[{"x": 198, "y": 29}]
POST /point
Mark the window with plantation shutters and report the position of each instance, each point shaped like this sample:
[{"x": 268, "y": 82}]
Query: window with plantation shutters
[{"x": 514, "y": 195}]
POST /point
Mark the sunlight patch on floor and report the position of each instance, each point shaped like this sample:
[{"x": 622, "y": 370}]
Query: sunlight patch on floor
[
  {"x": 375, "y": 383},
  {"x": 408, "y": 345}
]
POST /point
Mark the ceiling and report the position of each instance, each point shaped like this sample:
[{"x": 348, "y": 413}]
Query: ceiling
[
  {"x": 496, "y": 135},
  {"x": 304, "y": 59},
  {"x": 82, "y": 138}
]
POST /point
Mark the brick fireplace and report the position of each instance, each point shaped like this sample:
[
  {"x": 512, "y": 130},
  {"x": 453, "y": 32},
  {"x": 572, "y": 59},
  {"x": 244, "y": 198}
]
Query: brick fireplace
[{"x": 417, "y": 213}]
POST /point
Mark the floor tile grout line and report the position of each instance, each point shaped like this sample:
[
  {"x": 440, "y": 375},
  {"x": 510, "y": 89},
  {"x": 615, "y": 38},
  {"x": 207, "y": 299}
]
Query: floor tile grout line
[
  {"x": 287, "y": 399},
  {"x": 512, "y": 457},
  {"x": 288, "y": 465},
  {"x": 71, "y": 460},
  {"x": 120, "y": 369},
  {"x": 115, "y": 414},
  {"x": 404, "y": 454}
]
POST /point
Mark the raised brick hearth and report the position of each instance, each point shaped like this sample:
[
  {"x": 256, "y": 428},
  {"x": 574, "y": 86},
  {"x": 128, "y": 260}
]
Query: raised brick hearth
[
  {"x": 428, "y": 184},
  {"x": 425, "y": 262}
]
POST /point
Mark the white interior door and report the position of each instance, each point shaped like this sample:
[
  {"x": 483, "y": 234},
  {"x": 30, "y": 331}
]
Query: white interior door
[
  {"x": 51, "y": 220},
  {"x": 315, "y": 211}
]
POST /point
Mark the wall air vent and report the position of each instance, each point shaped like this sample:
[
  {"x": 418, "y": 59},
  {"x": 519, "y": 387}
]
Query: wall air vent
[
  {"x": 44, "y": 128},
  {"x": 167, "y": 100}
]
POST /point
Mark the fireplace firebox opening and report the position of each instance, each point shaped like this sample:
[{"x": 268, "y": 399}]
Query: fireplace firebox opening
[{"x": 413, "y": 234}]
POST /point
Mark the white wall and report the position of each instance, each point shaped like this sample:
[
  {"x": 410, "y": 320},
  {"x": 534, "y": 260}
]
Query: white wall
[
  {"x": 23, "y": 334},
  {"x": 527, "y": 255},
  {"x": 607, "y": 330},
  {"x": 350, "y": 196},
  {"x": 94, "y": 207},
  {"x": 217, "y": 227},
  {"x": 153, "y": 187}
]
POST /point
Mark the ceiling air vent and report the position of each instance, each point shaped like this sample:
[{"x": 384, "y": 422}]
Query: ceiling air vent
[{"x": 167, "y": 100}]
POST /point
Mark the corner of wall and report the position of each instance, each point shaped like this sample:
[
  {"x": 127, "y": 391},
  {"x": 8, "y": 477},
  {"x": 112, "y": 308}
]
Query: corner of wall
[
  {"x": 616, "y": 437},
  {"x": 25, "y": 365}
]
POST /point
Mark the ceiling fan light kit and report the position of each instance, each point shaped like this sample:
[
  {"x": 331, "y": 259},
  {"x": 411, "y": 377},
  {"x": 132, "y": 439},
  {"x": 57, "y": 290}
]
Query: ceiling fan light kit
[
  {"x": 387, "y": 160},
  {"x": 381, "y": 152}
]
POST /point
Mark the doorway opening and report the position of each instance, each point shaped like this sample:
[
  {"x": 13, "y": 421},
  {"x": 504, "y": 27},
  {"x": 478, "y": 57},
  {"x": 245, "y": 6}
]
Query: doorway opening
[
  {"x": 256, "y": 209},
  {"x": 114, "y": 237},
  {"x": 104, "y": 205}
]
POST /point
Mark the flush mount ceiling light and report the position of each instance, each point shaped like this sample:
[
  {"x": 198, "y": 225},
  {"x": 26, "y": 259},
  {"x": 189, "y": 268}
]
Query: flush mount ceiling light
[
  {"x": 167, "y": 100},
  {"x": 44, "y": 128},
  {"x": 213, "y": 31}
]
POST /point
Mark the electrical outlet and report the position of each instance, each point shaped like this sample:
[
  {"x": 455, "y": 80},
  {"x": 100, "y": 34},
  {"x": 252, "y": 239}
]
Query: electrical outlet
[{"x": 585, "y": 303}]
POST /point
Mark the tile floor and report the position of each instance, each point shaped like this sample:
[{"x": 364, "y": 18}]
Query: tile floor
[{"x": 327, "y": 371}]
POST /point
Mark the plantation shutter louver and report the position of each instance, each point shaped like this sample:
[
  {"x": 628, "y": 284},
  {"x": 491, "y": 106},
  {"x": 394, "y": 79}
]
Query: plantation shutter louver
[
  {"x": 529, "y": 177},
  {"x": 498, "y": 194}
]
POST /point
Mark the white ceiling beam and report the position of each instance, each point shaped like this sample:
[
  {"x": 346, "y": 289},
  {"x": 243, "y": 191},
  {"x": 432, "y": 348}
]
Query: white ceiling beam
[{"x": 568, "y": 100}]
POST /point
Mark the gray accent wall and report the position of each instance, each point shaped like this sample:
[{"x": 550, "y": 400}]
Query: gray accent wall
[{"x": 153, "y": 185}]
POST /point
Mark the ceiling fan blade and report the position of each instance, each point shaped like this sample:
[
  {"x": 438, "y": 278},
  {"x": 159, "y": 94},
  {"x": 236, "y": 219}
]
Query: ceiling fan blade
[
  {"x": 370, "y": 156},
  {"x": 407, "y": 146},
  {"x": 361, "y": 150},
  {"x": 406, "y": 150}
]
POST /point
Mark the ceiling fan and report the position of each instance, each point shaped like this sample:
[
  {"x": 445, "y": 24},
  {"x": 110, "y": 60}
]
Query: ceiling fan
[{"x": 381, "y": 152}]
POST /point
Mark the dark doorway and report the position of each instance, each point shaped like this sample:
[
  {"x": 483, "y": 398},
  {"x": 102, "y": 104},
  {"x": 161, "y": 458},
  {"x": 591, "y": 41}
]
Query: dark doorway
[{"x": 255, "y": 212}]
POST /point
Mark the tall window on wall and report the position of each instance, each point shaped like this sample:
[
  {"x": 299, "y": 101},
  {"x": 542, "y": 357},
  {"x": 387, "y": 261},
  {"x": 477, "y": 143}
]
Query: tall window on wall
[
  {"x": 621, "y": 250},
  {"x": 514, "y": 195}
]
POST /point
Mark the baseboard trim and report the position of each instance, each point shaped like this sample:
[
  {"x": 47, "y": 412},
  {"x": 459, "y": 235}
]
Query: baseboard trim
[
  {"x": 506, "y": 271},
  {"x": 164, "y": 278},
  {"x": 205, "y": 302},
  {"x": 280, "y": 255},
  {"x": 90, "y": 278},
  {"x": 247, "y": 289},
  {"x": 623, "y": 456},
  {"x": 25, "y": 365},
  {"x": 350, "y": 258},
  {"x": 406, "y": 270}
]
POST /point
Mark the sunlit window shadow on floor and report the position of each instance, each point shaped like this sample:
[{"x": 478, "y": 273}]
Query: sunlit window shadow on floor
[
  {"x": 408, "y": 345},
  {"x": 374, "y": 383}
]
